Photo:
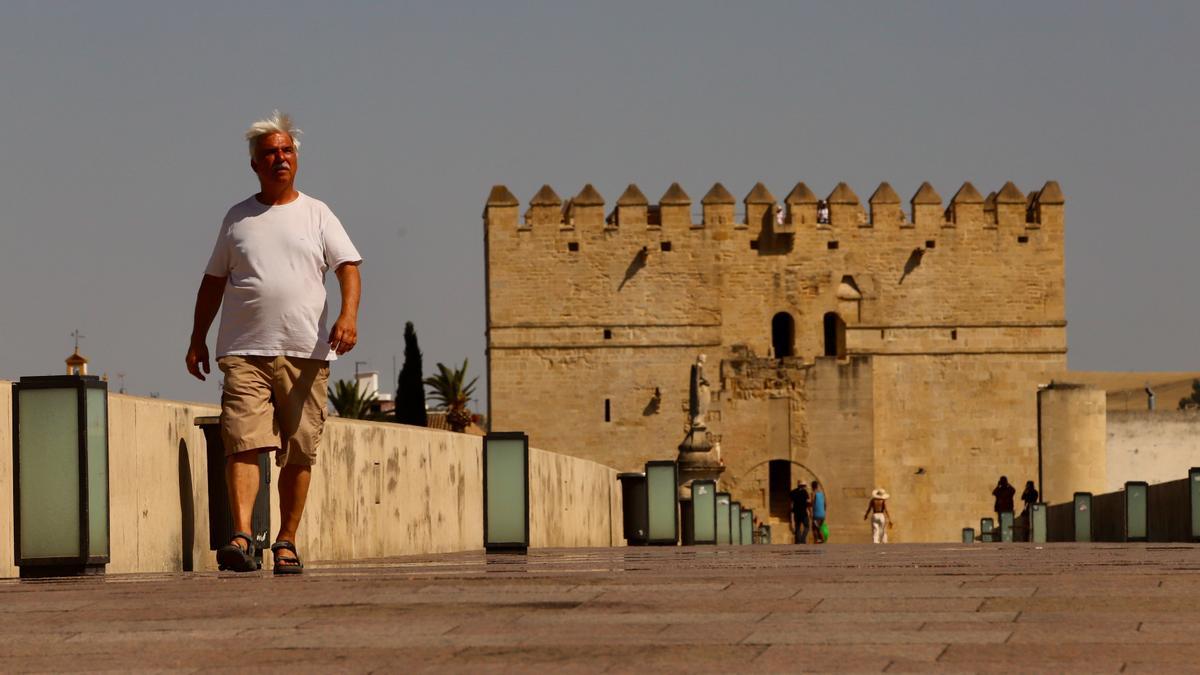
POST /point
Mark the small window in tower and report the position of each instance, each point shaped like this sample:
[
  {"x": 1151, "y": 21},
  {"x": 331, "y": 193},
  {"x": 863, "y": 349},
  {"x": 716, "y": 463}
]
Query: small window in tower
[
  {"x": 607, "y": 333},
  {"x": 607, "y": 410},
  {"x": 929, "y": 243},
  {"x": 573, "y": 246},
  {"x": 753, "y": 244},
  {"x": 666, "y": 246},
  {"x": 954, "y": 334},
  {"x": 1022, "y": 239},
  {"x": 832, "y": 246}
]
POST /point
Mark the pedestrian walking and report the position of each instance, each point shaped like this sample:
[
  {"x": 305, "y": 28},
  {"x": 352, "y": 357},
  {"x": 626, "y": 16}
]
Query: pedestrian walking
[
  {"x": 877, "y": 511},
  {"x": 801, "y": 505},
  {"x": 268, "y": 268},
  {"x": 820, "y": 531}
]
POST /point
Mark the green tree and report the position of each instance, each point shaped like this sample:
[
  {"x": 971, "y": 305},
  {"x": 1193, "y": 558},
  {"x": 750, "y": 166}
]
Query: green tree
[
  {"x": 410, "y": 390},
  {"x": 449, "y": 390},
  {"x": 1191, "y": 402},
  {"x": 349, "y": 401}
]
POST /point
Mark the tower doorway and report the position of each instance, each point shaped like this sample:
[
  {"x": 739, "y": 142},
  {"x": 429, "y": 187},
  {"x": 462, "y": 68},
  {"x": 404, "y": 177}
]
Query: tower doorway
[
  {"x": 835, "y": 335},
  {"x": 779, "y": 483},
  {"x": 783, "y": 335}
]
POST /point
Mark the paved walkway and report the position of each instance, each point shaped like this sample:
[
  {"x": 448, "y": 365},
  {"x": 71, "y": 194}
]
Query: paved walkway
[{"x": 899, "y": 608}]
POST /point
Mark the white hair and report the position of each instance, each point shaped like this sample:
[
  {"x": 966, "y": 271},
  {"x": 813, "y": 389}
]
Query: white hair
[{"x": 277, "y": 123}]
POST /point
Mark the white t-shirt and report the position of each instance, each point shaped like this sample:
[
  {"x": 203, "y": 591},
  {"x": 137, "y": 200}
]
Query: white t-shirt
[{"x": 275, "y": 258}]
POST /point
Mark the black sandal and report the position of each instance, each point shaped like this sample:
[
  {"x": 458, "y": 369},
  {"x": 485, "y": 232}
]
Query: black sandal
[
  {"x": 286, "y": 565},
  {"x": 235, "y": 558}
]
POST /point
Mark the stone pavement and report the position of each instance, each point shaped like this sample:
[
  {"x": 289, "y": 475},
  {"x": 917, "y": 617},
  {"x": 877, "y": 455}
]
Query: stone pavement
[{"x": 856, "y": 608}]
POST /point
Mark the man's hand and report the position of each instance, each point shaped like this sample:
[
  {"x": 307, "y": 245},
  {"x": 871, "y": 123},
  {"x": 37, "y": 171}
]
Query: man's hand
[
  {"x": 344, "y": 335},
  {"x": 197, "y": 358}
]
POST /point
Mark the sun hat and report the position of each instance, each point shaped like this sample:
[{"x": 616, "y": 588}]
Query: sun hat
[{"x": 879, "y": 493}]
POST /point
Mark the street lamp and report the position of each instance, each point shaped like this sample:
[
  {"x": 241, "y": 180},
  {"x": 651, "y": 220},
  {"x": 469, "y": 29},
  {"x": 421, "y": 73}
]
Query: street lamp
[
  {"x": 506, "y": 492},
  {"x": 60, "y": 482},
  {"x": 662, "y": 506},
  {"x": 723, "y": 505},
  {"x": 704, "y": 512}
]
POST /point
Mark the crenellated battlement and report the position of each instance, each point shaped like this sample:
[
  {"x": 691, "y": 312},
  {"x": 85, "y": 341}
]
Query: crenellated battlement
[{"x": 1006, "y": 208}]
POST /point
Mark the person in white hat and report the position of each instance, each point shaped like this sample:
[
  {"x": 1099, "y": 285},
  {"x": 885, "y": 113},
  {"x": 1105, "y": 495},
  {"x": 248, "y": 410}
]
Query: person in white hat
[{"x": 877, "y": 511}]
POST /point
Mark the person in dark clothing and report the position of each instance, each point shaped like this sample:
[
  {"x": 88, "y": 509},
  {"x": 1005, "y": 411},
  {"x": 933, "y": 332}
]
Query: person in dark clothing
[
  {"x": 1004, "y": 497},
  {"x": 1029, "y": 497},
  {"x": 800, "y": 508}
]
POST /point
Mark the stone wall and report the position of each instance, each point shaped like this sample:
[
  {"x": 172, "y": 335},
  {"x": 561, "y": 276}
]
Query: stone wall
[
  {"x": 593, "y": 322},
  {"x": 1154, "y": 446},
  {"x": 378, "y": 490},
  {"x": 1072, "y": 440},
  {"x": 946, "y": 428}
]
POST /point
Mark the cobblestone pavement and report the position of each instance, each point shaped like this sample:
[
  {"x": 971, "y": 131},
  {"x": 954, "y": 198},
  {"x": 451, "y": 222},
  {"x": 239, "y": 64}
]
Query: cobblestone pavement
[{"x": 898, "y": 608}]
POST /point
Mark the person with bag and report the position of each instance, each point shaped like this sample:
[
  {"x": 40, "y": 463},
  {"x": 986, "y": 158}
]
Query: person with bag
[{"x": 820, "y": 529}]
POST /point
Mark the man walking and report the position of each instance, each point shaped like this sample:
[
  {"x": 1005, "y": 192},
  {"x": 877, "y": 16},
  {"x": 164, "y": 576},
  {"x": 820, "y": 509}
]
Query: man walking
[
  {"x": 268, "y": 266},
  {"x": 800, "y": 507}
]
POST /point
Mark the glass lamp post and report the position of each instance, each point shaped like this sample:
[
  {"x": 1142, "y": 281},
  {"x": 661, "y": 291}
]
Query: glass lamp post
[
  {"x": 662, "y": 503},
  {"x": 704, "y": 512},
  {"x": 723, "y": 515},
  {"x": 506, "y": 492},
  {"x": 60, "y": 475}
]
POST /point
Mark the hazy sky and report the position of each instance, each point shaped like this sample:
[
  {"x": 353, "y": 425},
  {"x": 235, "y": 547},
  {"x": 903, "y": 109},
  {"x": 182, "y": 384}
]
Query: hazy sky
[{"x": 121, "y": 122}]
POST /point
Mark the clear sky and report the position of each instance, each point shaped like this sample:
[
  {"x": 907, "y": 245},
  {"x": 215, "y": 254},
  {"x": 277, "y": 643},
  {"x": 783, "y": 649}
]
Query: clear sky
[{"x": 121, "y": 149}]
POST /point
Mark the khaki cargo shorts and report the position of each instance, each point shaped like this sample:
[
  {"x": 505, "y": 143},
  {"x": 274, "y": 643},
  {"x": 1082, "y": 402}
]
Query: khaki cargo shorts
[{"x": 274, "y": 402}]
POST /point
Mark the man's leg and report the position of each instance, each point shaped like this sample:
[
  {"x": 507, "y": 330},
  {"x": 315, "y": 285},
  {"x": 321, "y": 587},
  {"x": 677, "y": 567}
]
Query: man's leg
[
  {"x": 293, "y": 493},
  {"x": 247, "y": 428},
  {"x": 241, "y": 478},
  {"x": 300, "y": 399}
]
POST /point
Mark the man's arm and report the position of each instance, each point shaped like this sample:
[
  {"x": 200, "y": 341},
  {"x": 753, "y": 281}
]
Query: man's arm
[
  {"x": 344, "y": 334},
  {"x": 208, "y": 301}
]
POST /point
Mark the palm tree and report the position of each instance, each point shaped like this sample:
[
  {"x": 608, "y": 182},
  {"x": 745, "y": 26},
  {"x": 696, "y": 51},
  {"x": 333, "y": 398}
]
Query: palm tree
[
  {"x": 447, "y": 388},
  {"x": 349, "y": 401}
]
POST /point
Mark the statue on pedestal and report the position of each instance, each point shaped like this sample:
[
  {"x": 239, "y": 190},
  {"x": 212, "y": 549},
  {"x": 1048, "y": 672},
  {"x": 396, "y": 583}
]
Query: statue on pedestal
[{"x": 697, "y": 459}]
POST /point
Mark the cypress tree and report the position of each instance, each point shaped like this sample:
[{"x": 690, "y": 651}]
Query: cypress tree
[{"x": 410, "y": 387}]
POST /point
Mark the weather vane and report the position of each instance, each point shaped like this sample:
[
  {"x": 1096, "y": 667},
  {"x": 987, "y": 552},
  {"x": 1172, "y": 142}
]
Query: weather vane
[{"x": 76, "y": 334}]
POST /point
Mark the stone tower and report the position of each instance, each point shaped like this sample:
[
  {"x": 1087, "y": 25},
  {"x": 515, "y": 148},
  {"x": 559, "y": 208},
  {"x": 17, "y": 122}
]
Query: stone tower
[{"x": 880, "y": 346}]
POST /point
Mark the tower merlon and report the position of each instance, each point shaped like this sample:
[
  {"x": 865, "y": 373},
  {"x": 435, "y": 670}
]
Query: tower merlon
[
  {"x": 545, "y": 208},
  {"x": 927, "y": 207},
  {"x": 675, "y": 209},
  {"x": 501, "y": 208},
  {"x": 632, "y": 209},
  {"x": 760, "y": 207},
  {"x": 801, "y": 206},
  {"x": 844, "y": 207},
  {"x": 585, "y": 209},
  {"x": 1010, "y": 207},
  {"x": 717, "y": 206},
  {"x": 885, "y": 206},
  {"x": 966, "y": 207},
  {"x": 1047, "y": 206}
]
